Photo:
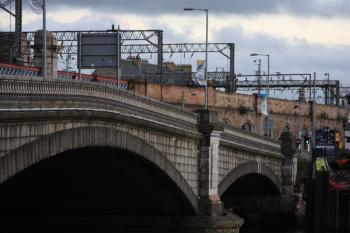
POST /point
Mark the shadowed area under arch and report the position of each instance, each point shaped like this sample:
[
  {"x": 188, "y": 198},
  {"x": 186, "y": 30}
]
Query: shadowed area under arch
[
  {"x": 70, "y": 139},
  {"x": 91, "y": 183},
  {"x": 246, "y": 169},
  {"x": 252, "y": 195}
]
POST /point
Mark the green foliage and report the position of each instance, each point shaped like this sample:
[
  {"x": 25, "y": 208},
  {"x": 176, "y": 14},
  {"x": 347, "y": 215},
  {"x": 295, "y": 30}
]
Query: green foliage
[
  {"x": 324, "y": 115},
  {"x": 242, "y": 110},
  {"x": 343, "y": 119}
]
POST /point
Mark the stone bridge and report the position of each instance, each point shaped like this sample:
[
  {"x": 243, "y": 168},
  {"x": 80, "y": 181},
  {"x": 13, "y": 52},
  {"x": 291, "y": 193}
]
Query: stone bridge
[{"x": 44, "y": 119}]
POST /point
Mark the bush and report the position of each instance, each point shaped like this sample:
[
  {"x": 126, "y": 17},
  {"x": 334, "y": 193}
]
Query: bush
[
  {"x": 324, "y": 115},
  {"x": 242, "y": 110}
]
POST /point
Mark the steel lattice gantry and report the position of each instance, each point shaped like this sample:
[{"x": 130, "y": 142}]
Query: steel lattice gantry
[
  {"x": 18, "y": 23},
  {"x": 5, "y": 3},
  {"x": 345, "y": 93},
  {"x": 146, "y": 35},
  {"x": 284, "y": 81},
  {"x": 151, "y": 47},
  {"x": 192, "y": 48},
  {"x": 173, "y": 48},
  {"x": 69, "y": 40}
]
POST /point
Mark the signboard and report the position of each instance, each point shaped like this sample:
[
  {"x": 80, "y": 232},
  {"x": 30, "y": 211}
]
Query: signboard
[
  {"x": 199, "y": 76},
  {"x": 98, "y": 50},
  {"x": 325, "y": 139},
  {"x": 263, "y": 104},
  {"x": 347, "y": 139}
]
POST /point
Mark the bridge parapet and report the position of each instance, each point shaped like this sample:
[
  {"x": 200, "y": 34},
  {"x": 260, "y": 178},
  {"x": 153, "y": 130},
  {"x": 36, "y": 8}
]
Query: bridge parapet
[
  {"x": 47, "y": 93},
  {"x": 250, "y": 142}
]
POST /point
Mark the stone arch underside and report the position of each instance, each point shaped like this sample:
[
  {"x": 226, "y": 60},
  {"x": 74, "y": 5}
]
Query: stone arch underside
[
  {"x": 58, "y": 142},
  {"x": 245, "y": 169}
]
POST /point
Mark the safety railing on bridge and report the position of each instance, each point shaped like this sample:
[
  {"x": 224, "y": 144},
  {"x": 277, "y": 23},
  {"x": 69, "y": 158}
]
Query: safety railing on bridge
[
  {"x": 19, "y": 70},
  {"x": 101, "y": 79},
  {"x": 10, "y": 69}
]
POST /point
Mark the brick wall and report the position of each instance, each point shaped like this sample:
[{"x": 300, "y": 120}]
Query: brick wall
[{"x": 237, "y": 109}]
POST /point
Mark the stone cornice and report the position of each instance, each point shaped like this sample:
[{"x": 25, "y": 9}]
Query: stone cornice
[
  {"x": 250, "y": 143},
  {"x": 19, "y": 92},
  {"x": 81, "y": 114}
]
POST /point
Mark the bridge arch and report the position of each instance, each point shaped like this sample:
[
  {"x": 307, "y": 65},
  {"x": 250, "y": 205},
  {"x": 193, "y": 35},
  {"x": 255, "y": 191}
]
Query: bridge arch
[
  {"x": 53, "y": 144},
  {"x": 245, "y": 169}
]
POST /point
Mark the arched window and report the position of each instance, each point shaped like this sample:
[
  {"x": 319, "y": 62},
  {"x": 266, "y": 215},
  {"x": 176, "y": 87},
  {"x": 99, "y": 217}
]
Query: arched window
[
  {"x": 286, "y": 129},
  {"x": 247, "y": 127}
]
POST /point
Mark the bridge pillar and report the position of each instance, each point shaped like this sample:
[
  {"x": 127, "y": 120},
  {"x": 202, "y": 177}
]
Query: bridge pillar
[
  {"x": 51, "y": 53},
  {"x": 288, "y": 149},
  {"x": 209, "y": 203}
]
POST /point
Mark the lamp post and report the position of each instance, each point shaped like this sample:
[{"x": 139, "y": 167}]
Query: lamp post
[
  {"x": 206, "y": 54},
  {"x": 258, "y": 72},
  {"x": 268, "y": 87}
]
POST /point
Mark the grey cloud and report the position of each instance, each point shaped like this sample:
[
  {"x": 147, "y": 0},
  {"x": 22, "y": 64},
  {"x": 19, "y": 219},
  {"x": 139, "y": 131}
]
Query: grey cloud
[
  {"x": 246, "y": 7},
  {"x": 298, "y": 57}
]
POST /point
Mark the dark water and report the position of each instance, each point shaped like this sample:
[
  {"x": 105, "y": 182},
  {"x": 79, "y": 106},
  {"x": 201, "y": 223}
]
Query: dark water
[
  {"x": 272, "y": 230},
  {"x": 286, "y": 230},
  {"x": 110, "y": 225}
]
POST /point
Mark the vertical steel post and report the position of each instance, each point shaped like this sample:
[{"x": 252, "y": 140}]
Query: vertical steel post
[
  {"x": 160, "y": 61},
  {"x": 327, "y": 90},
  {"x": 18, "y": 29},
  {"x": 337, "y": 92},
  {"x": 79, "y": 54},
  {"x": 118, "y": 56},
  {"x": 232, "y": 79},
  {"x": 206, "y": 61},
  {"x": 206, "y": 54},
  {"x": 268, "y": 94},
  {"x": 44, "y": 39},
  {"x": 259, "y": 76},
  {"x": 314, "y": 113}
]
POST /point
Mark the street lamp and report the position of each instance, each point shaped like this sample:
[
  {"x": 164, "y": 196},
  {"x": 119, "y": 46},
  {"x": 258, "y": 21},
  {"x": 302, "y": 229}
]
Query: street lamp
[
  {"x": 258, "y": 73},
  {"x": 206, "y": 54},
  {"x": 268, "y": 86}
]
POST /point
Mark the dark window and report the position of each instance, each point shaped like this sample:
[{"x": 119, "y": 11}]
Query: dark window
[{"x": 247, "y": 127}]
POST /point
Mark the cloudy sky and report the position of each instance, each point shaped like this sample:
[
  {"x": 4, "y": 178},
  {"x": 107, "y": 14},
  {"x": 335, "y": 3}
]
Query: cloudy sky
[{"x": 301, "y": 36}]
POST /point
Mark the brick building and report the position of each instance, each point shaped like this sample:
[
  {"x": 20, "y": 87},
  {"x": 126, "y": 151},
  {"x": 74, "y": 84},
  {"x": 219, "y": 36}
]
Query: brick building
[{"x": 243, "y": 111}]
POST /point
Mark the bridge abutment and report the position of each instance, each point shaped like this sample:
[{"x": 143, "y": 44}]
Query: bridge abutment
[
  {"x": 288, "y": 199},
  {"x": 288, "y": 150},
  {"x": 211, "y": 207},
  {"x": 209, "y": 202}
]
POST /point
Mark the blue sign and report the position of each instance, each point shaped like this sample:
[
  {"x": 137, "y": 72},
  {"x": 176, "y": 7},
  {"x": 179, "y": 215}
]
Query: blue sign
[{"x": 325, "y": 139}]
